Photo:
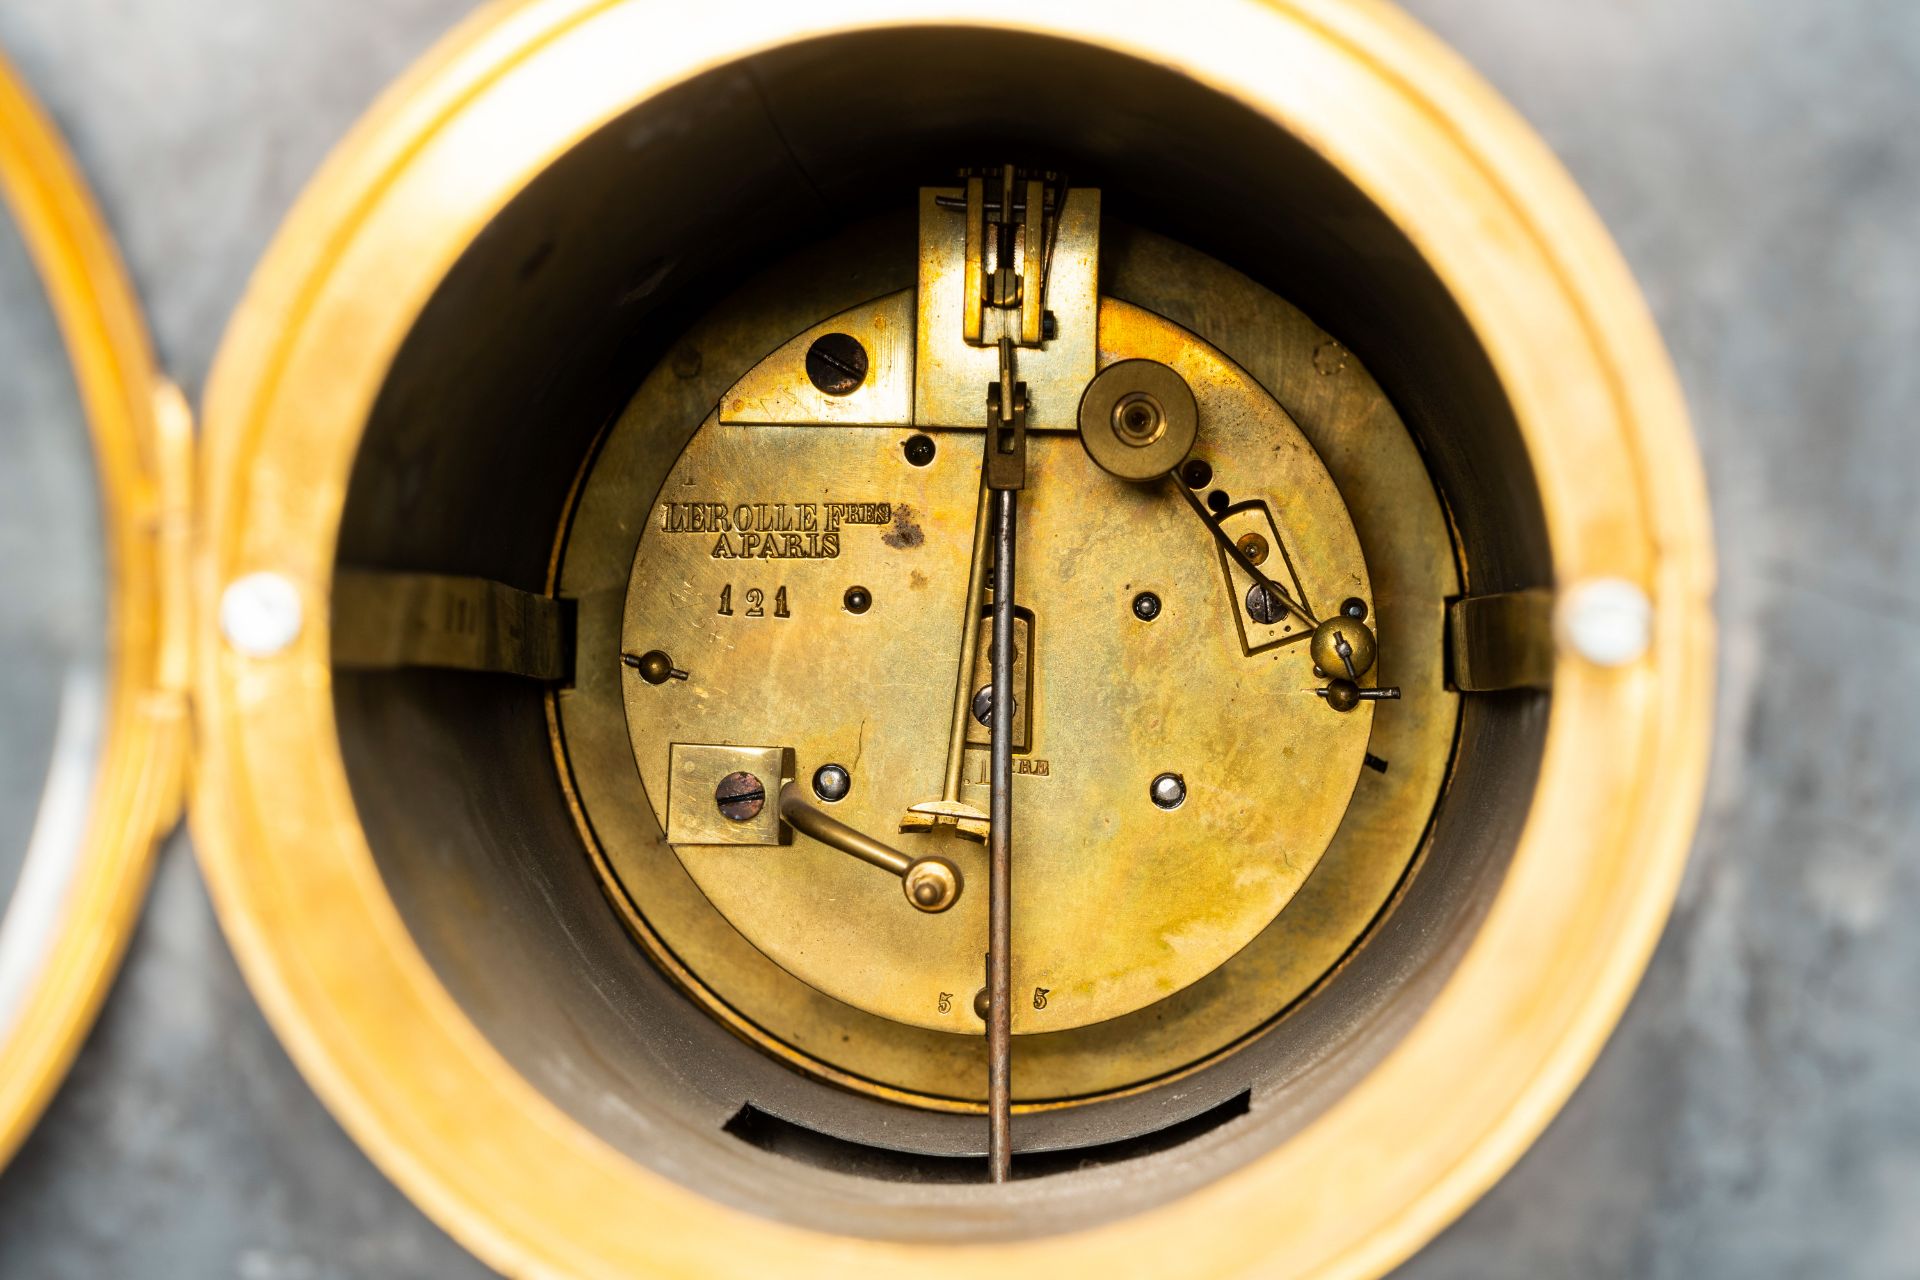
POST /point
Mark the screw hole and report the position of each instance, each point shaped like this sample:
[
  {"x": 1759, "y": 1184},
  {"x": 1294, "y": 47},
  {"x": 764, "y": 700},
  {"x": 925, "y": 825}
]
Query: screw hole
[{"x": 831, "y": 782}]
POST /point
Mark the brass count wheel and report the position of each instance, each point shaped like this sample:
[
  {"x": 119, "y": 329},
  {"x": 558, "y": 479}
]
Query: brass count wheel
[
  {"x": 754, "y": 707},
  {"x": 1138, "y": 419}
]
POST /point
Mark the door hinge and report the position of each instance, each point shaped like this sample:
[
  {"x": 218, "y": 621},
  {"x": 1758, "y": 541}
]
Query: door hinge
[{"x": 172, "y": 524}]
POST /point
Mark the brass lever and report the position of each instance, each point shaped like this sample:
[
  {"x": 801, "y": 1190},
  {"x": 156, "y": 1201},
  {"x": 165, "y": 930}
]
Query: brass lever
[{"x": 931, "y": 884}]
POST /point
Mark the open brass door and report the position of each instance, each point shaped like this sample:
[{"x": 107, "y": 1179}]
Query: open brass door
[{"x": 93, "y": 539}]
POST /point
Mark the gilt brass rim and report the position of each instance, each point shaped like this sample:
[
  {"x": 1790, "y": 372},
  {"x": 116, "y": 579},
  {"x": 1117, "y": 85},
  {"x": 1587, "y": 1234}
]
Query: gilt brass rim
[
  {"x": 140, "y": 435},
  {"x": 1538, "y": 988}
]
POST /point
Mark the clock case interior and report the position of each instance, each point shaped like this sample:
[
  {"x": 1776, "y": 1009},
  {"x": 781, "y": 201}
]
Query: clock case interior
[{"x": 539, "y": 335}]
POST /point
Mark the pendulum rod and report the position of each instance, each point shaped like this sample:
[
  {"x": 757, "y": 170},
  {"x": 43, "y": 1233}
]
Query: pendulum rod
[
  {"x": 1000, "y": 849},
  {"x": 1005, "y": 475}
]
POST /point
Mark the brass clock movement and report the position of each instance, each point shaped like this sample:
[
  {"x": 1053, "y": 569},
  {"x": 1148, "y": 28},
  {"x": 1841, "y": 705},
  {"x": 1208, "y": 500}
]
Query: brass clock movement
[{"x": 1012, "y": 474}]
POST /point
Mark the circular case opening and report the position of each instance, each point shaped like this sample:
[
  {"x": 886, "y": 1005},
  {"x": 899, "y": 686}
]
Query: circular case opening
[{"x": 432, "y": 858}]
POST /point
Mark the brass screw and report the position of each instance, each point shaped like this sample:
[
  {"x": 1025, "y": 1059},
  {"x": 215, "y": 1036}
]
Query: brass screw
[
  {"x": 1264, "y": 604},
  {"x": 260, "y": 613},
  {"x": 1254, "y": 548},
  {"x": 740, "y": 796},
  {"x": 1607, "y": 621},
  {"x": 983, "y": 705},
  {"x": 837, "y": 364}
]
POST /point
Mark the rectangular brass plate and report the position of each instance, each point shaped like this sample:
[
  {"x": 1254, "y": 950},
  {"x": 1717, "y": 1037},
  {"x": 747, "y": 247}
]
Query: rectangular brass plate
[
  {"x": 1254, "y": 516},
  {"x": 979, "y": 735},
  {"x": 694, "y": 770},
  {"x": 951, "y": 375},
  {"x": 778, "y": 390}
]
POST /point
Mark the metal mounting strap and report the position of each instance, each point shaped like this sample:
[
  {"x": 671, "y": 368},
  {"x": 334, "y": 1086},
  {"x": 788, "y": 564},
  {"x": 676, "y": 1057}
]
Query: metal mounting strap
[{"x": 1503, "y": 640}]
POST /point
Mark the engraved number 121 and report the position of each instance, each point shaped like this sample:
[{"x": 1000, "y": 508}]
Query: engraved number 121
[{"x": 756, "y": 600}]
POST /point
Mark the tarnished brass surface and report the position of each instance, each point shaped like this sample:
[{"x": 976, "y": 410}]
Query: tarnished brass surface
[
  {"x": 749, "y": 549},
  {"x": 951, "y": 374},
  {"x": 1501, "y": 641},
  {"x": 1409, "y": 556},
  {"x": 777, "y": 389},
  {"x": 695, "y": 770},
  {"x": 383, "y": 620}
]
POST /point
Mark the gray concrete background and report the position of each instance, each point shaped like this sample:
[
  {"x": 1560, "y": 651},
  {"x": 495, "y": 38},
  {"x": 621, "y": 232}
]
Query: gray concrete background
[
  {"x": 1758, "y": 1113},
  {"x": 50, "y": 553}
]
